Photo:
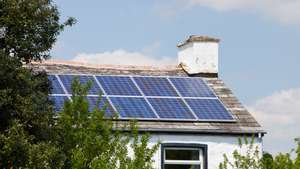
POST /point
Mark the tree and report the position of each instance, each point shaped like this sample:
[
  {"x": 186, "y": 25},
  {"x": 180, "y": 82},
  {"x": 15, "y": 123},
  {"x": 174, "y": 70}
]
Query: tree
[
  {"x": 90, "y": 140},
  {"x": 29, "y": 28},
  {"x": 252, "y": 160},
  {"x": 248, "y": 160},
  {"x": 297, "y": 160},
  {"x": 283, "y": 161},
  {"x": 267, "y": 161},
  {"x": 24, "y": 96},
  {"x": 18, "y": 150}
]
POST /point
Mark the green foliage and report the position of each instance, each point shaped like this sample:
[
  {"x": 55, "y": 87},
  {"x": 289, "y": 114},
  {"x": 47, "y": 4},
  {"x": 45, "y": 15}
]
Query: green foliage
[
  {"x": 252, "y": 160},
  {"x": 18, "y": 150},
  {"x": 283, "y": 161},
  {"x": 89, "y": 140},
  {"x": 24, "y": 96},
  {"x": 248, "y": 160},
  {"x": 29, "y": 28},
  {"x": 267, "y": 161},
  {"x": 142, "y": 154},
  {"x": 297, "y": 160}
]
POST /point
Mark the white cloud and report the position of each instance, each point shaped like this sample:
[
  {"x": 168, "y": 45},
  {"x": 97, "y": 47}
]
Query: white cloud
[
  {"x": 152, "y": 49},
  {"x": 284, "y": 11},
  {"x": 280, "y": 116},
  {"x": 123, "y": 57},
  {"x": 223, "y": 5},
  {"x": 167, "y": 10}
]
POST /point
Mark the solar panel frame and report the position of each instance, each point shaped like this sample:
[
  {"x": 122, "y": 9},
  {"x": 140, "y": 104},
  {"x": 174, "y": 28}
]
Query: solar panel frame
[
  {"x": 198, "y": 87},
  {"x": 104, "y": 92},
  {"x": 123, "y": 108},
  {"x": 165, "y": 108},
  {"x": 210, "y": 114},
  {"x": 56, "y": 86},
  {"x": 179, "y": 94},
  {"x": 92, "y": 100},
  {"x": 67, "y": 79},
  {"x": 118, "y": 82},
  {"x": 155, "y": 86},
  {"x": 138, "y": 87}
]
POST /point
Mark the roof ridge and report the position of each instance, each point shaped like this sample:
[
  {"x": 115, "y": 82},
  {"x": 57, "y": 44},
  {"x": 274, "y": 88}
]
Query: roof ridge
[{"x": 107, "y": 66}]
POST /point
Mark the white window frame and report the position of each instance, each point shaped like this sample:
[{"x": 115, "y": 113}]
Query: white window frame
[{"x": 202, "y": 162}]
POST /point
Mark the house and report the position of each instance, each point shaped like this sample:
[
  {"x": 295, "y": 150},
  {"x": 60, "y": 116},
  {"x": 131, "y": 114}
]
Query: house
[{"x": 187, "y": 107}]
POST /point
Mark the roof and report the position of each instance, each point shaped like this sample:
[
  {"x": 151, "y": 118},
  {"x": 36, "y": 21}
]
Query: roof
[{"x": 244, "y": 121}]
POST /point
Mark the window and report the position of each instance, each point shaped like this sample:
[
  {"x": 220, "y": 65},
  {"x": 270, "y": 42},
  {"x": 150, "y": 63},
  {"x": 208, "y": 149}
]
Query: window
[{"x": 184, "y": 156}]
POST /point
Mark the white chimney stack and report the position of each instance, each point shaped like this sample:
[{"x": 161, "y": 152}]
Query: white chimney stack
[{"x": 199, "y": 55}]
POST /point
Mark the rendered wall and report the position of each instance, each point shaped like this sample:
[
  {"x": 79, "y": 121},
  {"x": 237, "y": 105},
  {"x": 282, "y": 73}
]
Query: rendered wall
[
  {"x": 217, "y": 146},
  {"x": 199, "y": 57}
]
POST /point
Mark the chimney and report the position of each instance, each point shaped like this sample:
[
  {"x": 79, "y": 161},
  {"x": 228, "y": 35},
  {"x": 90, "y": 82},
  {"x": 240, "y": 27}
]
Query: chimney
[{"x": 198, "y": 55}]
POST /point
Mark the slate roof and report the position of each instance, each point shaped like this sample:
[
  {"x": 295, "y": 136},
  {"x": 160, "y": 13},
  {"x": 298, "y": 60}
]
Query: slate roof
[{"x": 244, "y": 124}]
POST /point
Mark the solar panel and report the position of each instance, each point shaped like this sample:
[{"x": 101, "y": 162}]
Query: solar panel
[
  {"x": 171, "y": 108},
  {"x": 192, "y": 87},
  {"x": 58, "y": 102},
  {"x": 118, "y": 85},
  {"x": 210, "y": 109},
  {"x": 170, "y": 98},
  {"x": 103, "y": 105},
  {"x": 131, "y": 107},
  {"x": 67, "y": 82},
  {"x": 155, "y": 86},
  {"x": 55, "y": 85}
]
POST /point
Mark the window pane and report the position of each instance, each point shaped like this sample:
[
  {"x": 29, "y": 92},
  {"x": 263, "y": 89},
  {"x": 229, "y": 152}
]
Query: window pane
[
  {"x": 178, "y": 166},
  {"x": 178, "y": 154}
]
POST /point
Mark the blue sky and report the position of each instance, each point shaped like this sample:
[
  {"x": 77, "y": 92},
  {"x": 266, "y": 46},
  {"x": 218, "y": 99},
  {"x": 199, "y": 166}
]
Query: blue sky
[{"x": 259, "y": 49}]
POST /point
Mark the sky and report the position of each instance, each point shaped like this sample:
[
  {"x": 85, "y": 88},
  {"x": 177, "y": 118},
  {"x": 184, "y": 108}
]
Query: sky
[{"x": 259, "y": 57}]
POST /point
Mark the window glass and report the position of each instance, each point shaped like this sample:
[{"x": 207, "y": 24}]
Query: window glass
[
  {"x": 184, "y": 166},
  {"x": 182, "y": 154}
]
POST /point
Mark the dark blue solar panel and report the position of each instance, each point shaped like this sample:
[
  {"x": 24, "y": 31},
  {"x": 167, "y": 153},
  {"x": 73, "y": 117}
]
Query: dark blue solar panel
[
  {"x": 155, "y": 86},
  {"x": 129, "y": 107},
  {"x": 171, "y": 108},
  {"x": 103, "y": 105},
  {"x": 67, "y": 82},
  {"x": 192, "y": 87},
  {"x": 55, "y": 85},
  {"x": 137, "y": 107},
  {"x": 209, "y": 109},
  {"x": 58, "y": 102},
  {"x": 118, "y": 85}
]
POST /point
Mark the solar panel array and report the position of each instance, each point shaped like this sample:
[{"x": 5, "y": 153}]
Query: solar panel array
[{"x": 145, "y": 97}]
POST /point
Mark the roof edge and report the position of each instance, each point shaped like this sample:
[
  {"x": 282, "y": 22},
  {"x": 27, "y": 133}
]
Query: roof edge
[
  {"x": 212, "y": 132},
  {"x": 106, "y": 66}
]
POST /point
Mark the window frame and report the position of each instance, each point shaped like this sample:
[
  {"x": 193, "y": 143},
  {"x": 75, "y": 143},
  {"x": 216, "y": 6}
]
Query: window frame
[{"x": 202, "y": 154}]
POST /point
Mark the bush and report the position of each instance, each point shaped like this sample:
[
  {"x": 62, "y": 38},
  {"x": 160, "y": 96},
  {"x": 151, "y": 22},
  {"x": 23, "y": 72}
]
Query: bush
[{"x": 252, "y": 160}]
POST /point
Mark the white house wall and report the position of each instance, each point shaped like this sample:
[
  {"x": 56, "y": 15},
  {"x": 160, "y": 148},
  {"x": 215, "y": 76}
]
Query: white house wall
[{"x": 216, "y": 146}]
